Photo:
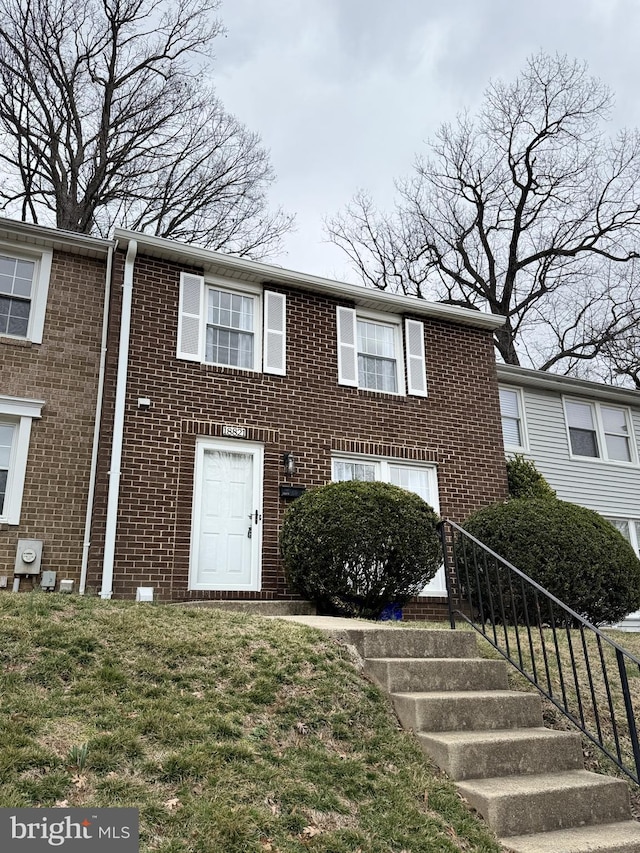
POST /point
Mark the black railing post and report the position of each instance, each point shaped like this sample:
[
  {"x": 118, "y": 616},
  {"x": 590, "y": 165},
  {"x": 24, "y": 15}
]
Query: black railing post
[
  {"x": 447, "y": 571},
  {"x": 631, "y": 719}
]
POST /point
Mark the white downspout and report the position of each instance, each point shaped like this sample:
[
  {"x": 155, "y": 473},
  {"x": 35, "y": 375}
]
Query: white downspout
[
  {"x": 96, "y": 429},
  {"x": 118, "y": 424}
]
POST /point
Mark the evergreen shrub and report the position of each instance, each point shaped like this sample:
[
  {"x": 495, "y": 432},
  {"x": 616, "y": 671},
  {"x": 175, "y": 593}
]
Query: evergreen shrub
[
  {"x": 571, "y": 551},
  {"x": 525, "y": 481},
  {"x": 354, "y": 547}
]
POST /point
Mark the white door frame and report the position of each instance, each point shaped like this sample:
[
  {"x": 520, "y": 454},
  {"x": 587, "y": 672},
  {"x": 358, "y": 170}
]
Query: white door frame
[{"x": 229, "y": 445}]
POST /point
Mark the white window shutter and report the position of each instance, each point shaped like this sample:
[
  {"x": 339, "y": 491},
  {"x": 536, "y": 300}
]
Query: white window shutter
[
  {"x": 347, "y": 347},
  {"x": 190, "y": 316},
  {"x": 416, "y": 361},
  {"x": 275, "y": 333}
]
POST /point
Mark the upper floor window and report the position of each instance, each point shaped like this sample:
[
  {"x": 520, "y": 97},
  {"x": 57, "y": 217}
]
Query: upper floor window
[
  {"x": 16, "y": 416},
  {"x": 372, "y": 353},
  {"x": 512, "y": 412},
  {"x": 24, "y": 283},
  {"x": 599, "y": 431},
  {"x": 377, "y": 363},
  {"x": 241, "y": 327}
]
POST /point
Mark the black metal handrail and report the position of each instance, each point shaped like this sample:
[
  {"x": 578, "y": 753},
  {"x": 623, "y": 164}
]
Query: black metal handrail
[{"x": 523, "y": 622}]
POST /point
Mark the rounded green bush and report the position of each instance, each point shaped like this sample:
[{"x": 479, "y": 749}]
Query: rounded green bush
[
  {"x": 355, "y": 547},
  {"x": 525, "y": 481},
  {"x": 571, "y": 551}
]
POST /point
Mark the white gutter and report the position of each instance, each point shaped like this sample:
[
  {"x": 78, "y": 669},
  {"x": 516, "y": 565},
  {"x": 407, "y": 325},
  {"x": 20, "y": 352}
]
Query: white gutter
[
  {"x": 118, "y": 424},
  {"x": 96, "y": 429}
]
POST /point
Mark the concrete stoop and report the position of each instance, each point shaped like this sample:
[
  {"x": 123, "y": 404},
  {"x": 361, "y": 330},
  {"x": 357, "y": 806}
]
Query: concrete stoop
[
  {"x": 255, "y": 607},
  {"x": 526, "y": 781}
]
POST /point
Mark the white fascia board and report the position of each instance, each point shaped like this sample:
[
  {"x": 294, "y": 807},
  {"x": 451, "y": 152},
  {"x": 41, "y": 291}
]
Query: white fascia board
[
  {"x": 54, "y": 238},
  {"x": 525, "y": 377},
  {"x": 381, "y": 300}
]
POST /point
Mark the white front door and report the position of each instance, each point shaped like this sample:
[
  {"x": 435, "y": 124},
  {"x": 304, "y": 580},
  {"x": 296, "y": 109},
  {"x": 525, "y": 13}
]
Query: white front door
[{"x": 226, "y": 532}]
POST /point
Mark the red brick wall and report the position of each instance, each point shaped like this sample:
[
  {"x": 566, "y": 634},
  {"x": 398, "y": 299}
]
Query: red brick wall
[
  {"x": 62, "y": 371},
  {"x": 305, "y": 412}
]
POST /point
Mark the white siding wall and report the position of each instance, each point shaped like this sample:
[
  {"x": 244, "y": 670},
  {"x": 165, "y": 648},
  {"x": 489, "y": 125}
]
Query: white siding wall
[{"x": 609, "y": 488}]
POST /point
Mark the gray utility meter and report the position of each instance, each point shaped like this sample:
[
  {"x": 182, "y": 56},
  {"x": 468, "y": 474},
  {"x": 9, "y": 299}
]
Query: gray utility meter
[{"x": 28, "y": 557}]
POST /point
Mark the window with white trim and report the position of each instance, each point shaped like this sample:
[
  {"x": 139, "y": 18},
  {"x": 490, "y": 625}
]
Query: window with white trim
[
  {"x": 24, "y": 284},
  {"x": 630, "y": 529},
  {"x": 16, "y": 416},
  {"x": 231, "y": 325},
  {"x": 373, "y": 354},
  {"x": 415, "y": 477},
  {"x": 512, "y": 413},
  {"x": 600, "y": 431}
]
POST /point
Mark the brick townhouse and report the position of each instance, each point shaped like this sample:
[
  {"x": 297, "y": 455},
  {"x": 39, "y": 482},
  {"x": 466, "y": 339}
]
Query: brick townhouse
[
  {"x": 52, "y": 302},
  {"x": 232, "y": 385}
]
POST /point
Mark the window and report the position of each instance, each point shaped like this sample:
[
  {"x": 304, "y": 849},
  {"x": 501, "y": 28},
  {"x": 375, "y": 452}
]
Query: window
[
  {"x": 370, "y": 353},
  {"x": 630, "y": 529},
  {"x": 24, "y": 282},
  {"x": 16, "y": 416},
  {"x": 599, "y": 432},
  {"x": 232, "y": 326},
  {"x": 512, "y": 411},
  {"x": 412, "y": 476},
  {"x": 230, "y": 333}
]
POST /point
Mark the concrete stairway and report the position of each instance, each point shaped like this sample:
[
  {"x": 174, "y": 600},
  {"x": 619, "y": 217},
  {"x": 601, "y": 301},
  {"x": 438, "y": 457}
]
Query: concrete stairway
[{"x": 526, "y": 781}]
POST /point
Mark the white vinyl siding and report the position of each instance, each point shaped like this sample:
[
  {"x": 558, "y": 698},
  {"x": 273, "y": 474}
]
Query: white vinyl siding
[
  {"x": 612, "y": 489},
  {"x": 373, "y": 354},
  {"x": 24, "y": 285},
  {"x": 513, "y": 426},
  {"x": 227, "y": 325}
]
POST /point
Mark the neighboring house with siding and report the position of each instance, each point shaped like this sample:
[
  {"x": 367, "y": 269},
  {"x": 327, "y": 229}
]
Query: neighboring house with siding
[
  {"x": 232, "y": 385},
  {"x": 52, "y": 300},
  {"x": 584, "y": 437}
]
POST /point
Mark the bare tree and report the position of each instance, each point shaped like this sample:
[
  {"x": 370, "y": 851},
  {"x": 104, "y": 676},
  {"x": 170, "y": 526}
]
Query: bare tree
[
  {"x": 528, "y": 210},
  {"x": 106, "y": 117}
]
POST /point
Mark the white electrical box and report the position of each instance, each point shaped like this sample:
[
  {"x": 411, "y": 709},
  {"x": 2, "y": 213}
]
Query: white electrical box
[
  {"x": 66, "y": 585},
  {"x": 48, "y": 580},
  {"x": 28, "y": 557},
  {"x": 144, "y": 593}
]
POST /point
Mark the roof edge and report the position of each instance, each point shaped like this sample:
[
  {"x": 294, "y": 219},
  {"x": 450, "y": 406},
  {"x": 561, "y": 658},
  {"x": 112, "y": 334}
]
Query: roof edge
[
  {"x": 200, "y": 256},
  {"x": 55, "y": 237},
  {"x": 565, "y": 384}
]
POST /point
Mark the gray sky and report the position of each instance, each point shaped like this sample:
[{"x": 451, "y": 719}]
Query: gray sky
[{"x": 345, "y": 92}]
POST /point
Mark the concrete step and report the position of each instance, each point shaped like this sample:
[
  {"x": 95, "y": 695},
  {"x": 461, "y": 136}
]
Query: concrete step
[
  {"x": 454, "y": 710},
  {"x": 256, "y": 607},
  {"x": 503, "y": 752},
  {"x": 523, "y": 805},
  {"x": 397, "y": 675},
  {"x": 413, "y": 643},
  {"x": 623, "y": 837}
]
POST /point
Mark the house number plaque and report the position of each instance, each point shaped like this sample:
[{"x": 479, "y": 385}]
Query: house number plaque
[{"x": 234, "y": 431}]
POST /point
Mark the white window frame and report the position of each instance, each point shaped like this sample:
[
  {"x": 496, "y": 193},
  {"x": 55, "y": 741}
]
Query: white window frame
[
  {"x": 20, "y": 413},
  {"x": 522, "y": 421},
  {"x": 253, "y": 293},
  {"x": 596, "y": 412},
  {"x": 437, "y": 587},
  {"x": 633, "y": 526},
  {"x": 42, "y": 259},
  {"x": 269, "y": 341},
  {"x": 408, "y": 358}
]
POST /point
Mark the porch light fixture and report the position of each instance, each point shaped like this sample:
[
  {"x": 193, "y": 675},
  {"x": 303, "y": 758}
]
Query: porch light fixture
[{"x": 289, "y": 464}]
